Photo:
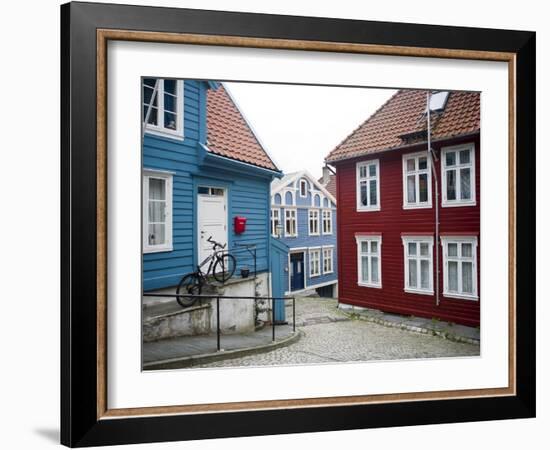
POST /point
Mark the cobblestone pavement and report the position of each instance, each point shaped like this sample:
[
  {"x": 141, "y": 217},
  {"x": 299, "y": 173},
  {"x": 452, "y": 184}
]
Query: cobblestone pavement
[{"x": 329, "y": 336}]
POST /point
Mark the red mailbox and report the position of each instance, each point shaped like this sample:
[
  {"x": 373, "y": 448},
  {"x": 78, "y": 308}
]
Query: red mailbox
[{"x": 240, "y": 224}]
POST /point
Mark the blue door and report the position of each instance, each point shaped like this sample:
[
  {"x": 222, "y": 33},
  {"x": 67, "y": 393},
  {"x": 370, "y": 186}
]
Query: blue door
[
  {"x": 296, "y": 271},
  {"x": 278, "y": 262}
]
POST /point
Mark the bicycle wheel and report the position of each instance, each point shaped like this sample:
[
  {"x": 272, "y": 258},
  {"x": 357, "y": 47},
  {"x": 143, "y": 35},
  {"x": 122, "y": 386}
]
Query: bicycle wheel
[
  {"x": 224, "y": 268},
  {"x": 190, "y": 284}
]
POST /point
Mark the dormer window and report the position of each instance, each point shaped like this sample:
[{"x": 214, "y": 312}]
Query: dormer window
[{"x": 163, "y": 107}]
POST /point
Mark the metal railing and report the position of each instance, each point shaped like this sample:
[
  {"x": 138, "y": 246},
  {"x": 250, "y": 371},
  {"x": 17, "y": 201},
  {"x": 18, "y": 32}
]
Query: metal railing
[
  {"x": 250, "y": 249},
  {"x": 232, "y": 297}
]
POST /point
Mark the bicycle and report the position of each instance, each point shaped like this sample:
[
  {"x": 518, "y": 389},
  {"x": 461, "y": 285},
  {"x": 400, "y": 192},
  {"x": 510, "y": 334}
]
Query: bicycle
[{"x": 221, "y": 266}]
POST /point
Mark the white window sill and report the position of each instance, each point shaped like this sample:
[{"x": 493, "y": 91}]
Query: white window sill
[
  {"x": 368, "y": 209},
  {"x": 291, "y": 235},
  {"x": 458, "y": 204},
  {"x": 177, "y": 135},
  {"x": 327, "y": 234},
  {"x": 158, "y": 249},
  {"x": 474, "y": 298},
  {"x": 420, "y": 206},
  {"x": 419, "y": 291},
  {"x": 314, "y": 275},
  {"x": 314, "y": 234},
  {"x": 362, "y": 284},
  {"x": 328, "y": 273}
]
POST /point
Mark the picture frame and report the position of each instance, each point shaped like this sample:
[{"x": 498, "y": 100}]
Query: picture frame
[{"x": 86, "y": 419}]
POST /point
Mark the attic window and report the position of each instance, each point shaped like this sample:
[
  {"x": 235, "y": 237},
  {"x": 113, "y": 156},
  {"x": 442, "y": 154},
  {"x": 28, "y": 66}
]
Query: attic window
[
  {"x": 438, "y": 100},
  {"x": 303, "y": 188}
]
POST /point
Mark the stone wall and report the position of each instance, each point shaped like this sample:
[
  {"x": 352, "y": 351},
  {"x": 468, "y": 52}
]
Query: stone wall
[{"x": 236, "y": 315}]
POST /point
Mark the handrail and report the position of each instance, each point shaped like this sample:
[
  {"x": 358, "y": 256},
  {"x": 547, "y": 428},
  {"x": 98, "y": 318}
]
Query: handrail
[
  {"x": 250, "y": 248},
  {"x": 235, "y": 297}
]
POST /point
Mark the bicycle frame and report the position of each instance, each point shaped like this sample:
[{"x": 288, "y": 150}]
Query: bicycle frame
[{"x": 215, "y": 256}]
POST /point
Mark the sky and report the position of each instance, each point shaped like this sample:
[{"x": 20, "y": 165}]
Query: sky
[{"x": 300, "y": 125}]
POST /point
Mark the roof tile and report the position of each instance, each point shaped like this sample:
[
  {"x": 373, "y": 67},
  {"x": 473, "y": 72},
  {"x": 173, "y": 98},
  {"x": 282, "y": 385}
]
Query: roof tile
[
  {"x": 403, "y": 114},
  {"x": 229, "y": 134}
]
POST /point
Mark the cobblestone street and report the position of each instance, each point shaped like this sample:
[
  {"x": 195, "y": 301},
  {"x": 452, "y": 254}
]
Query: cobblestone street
[{"x": 329, "y": 335}]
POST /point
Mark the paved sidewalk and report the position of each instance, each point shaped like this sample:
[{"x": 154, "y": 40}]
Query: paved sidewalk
[
  {"x": 446, "y": 330},
  {"x": 187, "y": 351}
]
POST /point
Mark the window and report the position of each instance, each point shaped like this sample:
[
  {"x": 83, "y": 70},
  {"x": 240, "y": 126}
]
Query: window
[
  {"x": 438, "y": 100},
  {"x": 368, "y": 261},
  {"x": 157, "y": 212},
  {"x": 314, "y": 262},
  {"x": 460, "y": 267},
  {"x": 275, "y": 221},
  {"x": 418, "y": 264},
  {"x": 313, "y": 222},
  {"x": 163, "y": 109},
  {"x": 290, "y": 223},
  {"x": 368, "y": 186},
  {"x": 327, "y": 260},
  {"x": 327, "y": 221},
  {"x": 458, "y": 175},
  {"x": 303, "y": 188},
  {"x": 213, "y": 192},
  {"x": 417, "y": 181}
]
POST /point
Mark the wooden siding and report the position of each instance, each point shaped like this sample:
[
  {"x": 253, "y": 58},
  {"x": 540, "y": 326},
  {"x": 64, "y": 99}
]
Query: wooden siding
[
  {"x": 391, "y": 221},
  {"x": 304, "y": 240},
  {"x": 248, "y": 196}
]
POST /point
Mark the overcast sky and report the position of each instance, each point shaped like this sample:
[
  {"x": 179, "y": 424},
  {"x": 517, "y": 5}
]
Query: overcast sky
[{"x": 300, "y": 125}]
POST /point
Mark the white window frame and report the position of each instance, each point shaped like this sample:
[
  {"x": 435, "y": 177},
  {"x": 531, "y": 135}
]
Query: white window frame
[
  {"x": 302, "y": 183},
  {"x": 327, "y": 220},
  {"x": 314, "y": 251},
  {"x": 473, "y": 259},
  {"x": 472, "y": 165},
  {"x": 328, "y": 255},
  {"x": 418, "y": 240},
  {"x": 370, "y": 238},
  {"x": 168, "y": 179},
  {"x": 358, "y": 167},
  {"x": 313, "y": 219},
  {"x": 159, "y": 129},
  {"x": 293, "y": 218},
  {"x": 272, "y": 218},
  {"x": 417, "y": 172}
]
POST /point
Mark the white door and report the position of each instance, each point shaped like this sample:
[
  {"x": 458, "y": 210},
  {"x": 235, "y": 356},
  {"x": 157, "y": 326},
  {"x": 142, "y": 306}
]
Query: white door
[{"x": 211, "y": 219}]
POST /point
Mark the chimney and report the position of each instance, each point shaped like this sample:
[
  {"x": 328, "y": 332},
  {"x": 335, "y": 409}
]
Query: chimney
[{"x": 326, "y": 175}]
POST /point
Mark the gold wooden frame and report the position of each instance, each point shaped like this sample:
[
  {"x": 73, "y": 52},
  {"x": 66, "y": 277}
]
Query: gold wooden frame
[{"x": 103, "y": 36}]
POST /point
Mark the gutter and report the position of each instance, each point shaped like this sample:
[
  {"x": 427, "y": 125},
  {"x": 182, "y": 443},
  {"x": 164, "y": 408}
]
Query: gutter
[{"x": 207, "y": 157}]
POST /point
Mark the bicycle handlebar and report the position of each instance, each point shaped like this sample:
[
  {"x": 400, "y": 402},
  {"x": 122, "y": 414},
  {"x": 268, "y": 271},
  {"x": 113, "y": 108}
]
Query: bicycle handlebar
[{"x": 216, "y": 244}]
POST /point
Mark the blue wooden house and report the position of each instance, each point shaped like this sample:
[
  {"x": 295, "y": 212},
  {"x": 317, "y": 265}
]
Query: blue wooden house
[
  {"x": 202, "y": 167},
  {"x": 303, "y": 216}
]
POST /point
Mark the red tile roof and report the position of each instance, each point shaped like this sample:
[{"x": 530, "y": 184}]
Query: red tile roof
[
  {"x": 229, "y": 134},
  {"x": 403, "y": 114}
]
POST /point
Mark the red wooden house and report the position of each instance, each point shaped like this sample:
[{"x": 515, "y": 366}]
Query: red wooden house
[{"x": 390, "y": 192}]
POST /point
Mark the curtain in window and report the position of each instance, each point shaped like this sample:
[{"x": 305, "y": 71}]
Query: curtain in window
[
  {"x": 365, "y": 268},
  {"x": 157, "y": 211}
]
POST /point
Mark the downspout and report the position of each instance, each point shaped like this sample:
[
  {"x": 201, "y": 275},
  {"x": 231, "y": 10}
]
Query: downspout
[{"x": 434, "y": 173}]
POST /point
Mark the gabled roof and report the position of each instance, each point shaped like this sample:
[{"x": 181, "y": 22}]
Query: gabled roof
[
  {"x": 402, "y": 118},
  {"x": 281, "y": 183},
  {"x": 229, "y": 134},
  {"x": 331, "y": 185}
]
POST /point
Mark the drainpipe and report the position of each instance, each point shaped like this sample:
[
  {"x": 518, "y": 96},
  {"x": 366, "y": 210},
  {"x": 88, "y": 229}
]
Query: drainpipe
[{"x": 436, "y": 180}]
